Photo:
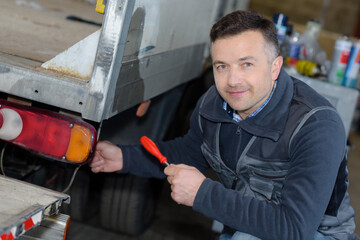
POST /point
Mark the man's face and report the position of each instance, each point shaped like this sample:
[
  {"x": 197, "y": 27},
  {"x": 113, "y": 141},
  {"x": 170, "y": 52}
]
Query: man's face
[{"x": 244, "y": 75}]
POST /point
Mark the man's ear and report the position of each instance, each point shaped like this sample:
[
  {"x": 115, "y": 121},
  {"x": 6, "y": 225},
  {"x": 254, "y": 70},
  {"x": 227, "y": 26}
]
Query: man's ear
[{"x": 276, "y": 67}]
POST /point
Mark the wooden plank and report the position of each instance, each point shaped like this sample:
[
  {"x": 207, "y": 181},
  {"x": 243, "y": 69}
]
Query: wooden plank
[{"x": 39, "y": 30}]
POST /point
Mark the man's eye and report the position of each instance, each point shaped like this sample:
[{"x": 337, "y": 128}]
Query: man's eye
[
  {"x": 221, "y": 67},
  {"x": 247, "y": 64}
]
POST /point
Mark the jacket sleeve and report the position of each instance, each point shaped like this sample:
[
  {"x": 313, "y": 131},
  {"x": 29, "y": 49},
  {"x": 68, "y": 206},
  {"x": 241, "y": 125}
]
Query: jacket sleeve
[
  {"x": 316, "y": 153},
  {"x": 184, "y": 150}
]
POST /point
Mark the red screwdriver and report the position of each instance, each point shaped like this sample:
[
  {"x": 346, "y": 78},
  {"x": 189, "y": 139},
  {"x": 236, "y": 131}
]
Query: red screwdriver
[{"x": 151, "y": 147}]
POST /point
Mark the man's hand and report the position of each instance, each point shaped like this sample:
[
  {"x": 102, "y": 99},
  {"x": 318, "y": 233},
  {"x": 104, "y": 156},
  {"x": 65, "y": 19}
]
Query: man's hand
[
  {"x": 185, "y": 182},
  {"x": 108, "y": 158}
]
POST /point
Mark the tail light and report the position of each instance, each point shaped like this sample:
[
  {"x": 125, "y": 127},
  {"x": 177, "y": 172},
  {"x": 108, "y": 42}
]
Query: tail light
[{"x": 47, "y": 133}]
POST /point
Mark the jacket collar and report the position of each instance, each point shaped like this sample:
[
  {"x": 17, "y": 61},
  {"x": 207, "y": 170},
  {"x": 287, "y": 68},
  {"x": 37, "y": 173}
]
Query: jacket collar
[{"x": 268, "y": 123}]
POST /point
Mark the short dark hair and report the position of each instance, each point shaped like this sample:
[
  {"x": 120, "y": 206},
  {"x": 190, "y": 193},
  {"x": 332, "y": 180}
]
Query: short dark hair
[{"x": 240, "y": 21}]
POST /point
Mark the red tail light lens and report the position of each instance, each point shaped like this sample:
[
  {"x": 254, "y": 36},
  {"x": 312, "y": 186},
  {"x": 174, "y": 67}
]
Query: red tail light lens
[{"x": 51, "y": 134}]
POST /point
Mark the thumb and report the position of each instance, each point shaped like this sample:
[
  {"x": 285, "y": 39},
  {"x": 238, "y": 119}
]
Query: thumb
[{"x": 169, "y": 170}]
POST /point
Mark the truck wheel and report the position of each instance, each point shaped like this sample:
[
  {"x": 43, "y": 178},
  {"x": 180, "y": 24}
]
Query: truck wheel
[
  {"x": 79, "y": 195},
  {"x": 128, "y": 203}
]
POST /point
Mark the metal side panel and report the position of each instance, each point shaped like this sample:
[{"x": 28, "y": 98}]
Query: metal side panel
[
  {"x": 23, "y": 206},
  {"x": 160, "y": 45},
  {"x": 23, "y": 78},
  {"x": 149, "y": 76},
  {"x": 108, "y": 57},
  {"x": 145, "y": 48}
]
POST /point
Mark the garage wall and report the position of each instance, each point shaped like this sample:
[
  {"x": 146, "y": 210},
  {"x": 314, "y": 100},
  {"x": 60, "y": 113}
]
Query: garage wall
[{"x": 341, "y": 16}]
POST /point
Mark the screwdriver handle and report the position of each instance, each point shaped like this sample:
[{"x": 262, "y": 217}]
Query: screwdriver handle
[{"x": 151, "y": 147}]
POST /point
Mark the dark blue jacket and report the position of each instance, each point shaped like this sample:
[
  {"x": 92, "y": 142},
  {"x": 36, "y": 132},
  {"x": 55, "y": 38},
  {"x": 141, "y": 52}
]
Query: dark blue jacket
[{"x": 283, "y": 172}]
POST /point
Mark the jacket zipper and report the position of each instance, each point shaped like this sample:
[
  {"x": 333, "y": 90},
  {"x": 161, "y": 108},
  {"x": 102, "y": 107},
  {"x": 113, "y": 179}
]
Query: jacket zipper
[{"x": 234, "y": 182}]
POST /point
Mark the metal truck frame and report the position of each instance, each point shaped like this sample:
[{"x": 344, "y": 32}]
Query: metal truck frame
[{"x": 144, "y": 50}]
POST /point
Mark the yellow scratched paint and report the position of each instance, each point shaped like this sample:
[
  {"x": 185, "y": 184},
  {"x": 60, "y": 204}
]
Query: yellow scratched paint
[
  {"x": 66, "y": 70},
  {"x": 100, "y": 6}
]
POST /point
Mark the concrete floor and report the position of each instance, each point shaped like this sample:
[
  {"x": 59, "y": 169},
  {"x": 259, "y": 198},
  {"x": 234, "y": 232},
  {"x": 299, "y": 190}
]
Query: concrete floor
[{"x": 181, "y": 223}]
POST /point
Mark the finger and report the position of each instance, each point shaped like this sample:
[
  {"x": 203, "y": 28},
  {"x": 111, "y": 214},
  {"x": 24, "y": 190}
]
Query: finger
[
  {"x": 172, "y": 180},
  {"x": 169, "y": 179},
  {"x": 175, "y": 198},
  {"x": 96, "y": 162},
  {"x": 97, "y": 169},
  {"x": 97, "y": 157},
  {"x": 170, "y": 170}
]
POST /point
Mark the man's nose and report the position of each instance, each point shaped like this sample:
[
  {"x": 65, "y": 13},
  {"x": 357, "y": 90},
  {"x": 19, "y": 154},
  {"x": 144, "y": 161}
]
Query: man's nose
[{"x": 234, "y": 78}]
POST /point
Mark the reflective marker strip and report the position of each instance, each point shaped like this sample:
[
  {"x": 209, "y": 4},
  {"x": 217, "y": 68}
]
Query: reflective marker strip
[
  {"x": 9, "y": 235},
  {"x": 28, "y": 224},
  {"x": 34, "y": 220}
]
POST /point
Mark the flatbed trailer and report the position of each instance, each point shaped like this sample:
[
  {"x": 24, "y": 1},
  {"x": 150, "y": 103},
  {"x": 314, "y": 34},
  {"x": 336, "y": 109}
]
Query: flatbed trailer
[{"x": 24, "y": 206}]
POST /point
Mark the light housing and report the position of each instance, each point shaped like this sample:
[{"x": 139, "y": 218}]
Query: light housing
[{"x": 47, "y": 133}]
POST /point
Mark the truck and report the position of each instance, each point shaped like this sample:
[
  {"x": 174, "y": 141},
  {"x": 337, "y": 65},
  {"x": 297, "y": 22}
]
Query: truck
[{"x": 74, "y": 76}]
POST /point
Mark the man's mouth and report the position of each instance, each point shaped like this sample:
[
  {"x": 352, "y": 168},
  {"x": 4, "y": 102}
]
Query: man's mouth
[{"x": 237, "y": 93}]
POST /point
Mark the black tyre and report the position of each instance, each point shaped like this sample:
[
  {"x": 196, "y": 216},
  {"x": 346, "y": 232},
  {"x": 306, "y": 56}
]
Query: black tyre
[
  {"x": 79, "y": 195},
  {"x": 128, "y": 203}
]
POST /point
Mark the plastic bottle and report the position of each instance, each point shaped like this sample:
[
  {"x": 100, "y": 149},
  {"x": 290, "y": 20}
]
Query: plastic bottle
[
  {"x": 294, "y": 45},
  {"x": 280, "y": 21},
  {"x": 310, "y": 48},
  {"x": 285, "y": 44},
  {"x": 339, "y": 61},
  {"x": 351, "y": 73}
]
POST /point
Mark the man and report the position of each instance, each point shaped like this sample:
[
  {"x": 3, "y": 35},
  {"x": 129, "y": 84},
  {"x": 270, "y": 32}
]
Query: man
[{"x": 277, "y": 146}]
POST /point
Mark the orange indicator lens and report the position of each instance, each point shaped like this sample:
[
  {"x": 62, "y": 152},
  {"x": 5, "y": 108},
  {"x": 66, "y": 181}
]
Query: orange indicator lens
[{"x": 79, "y": 145}]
